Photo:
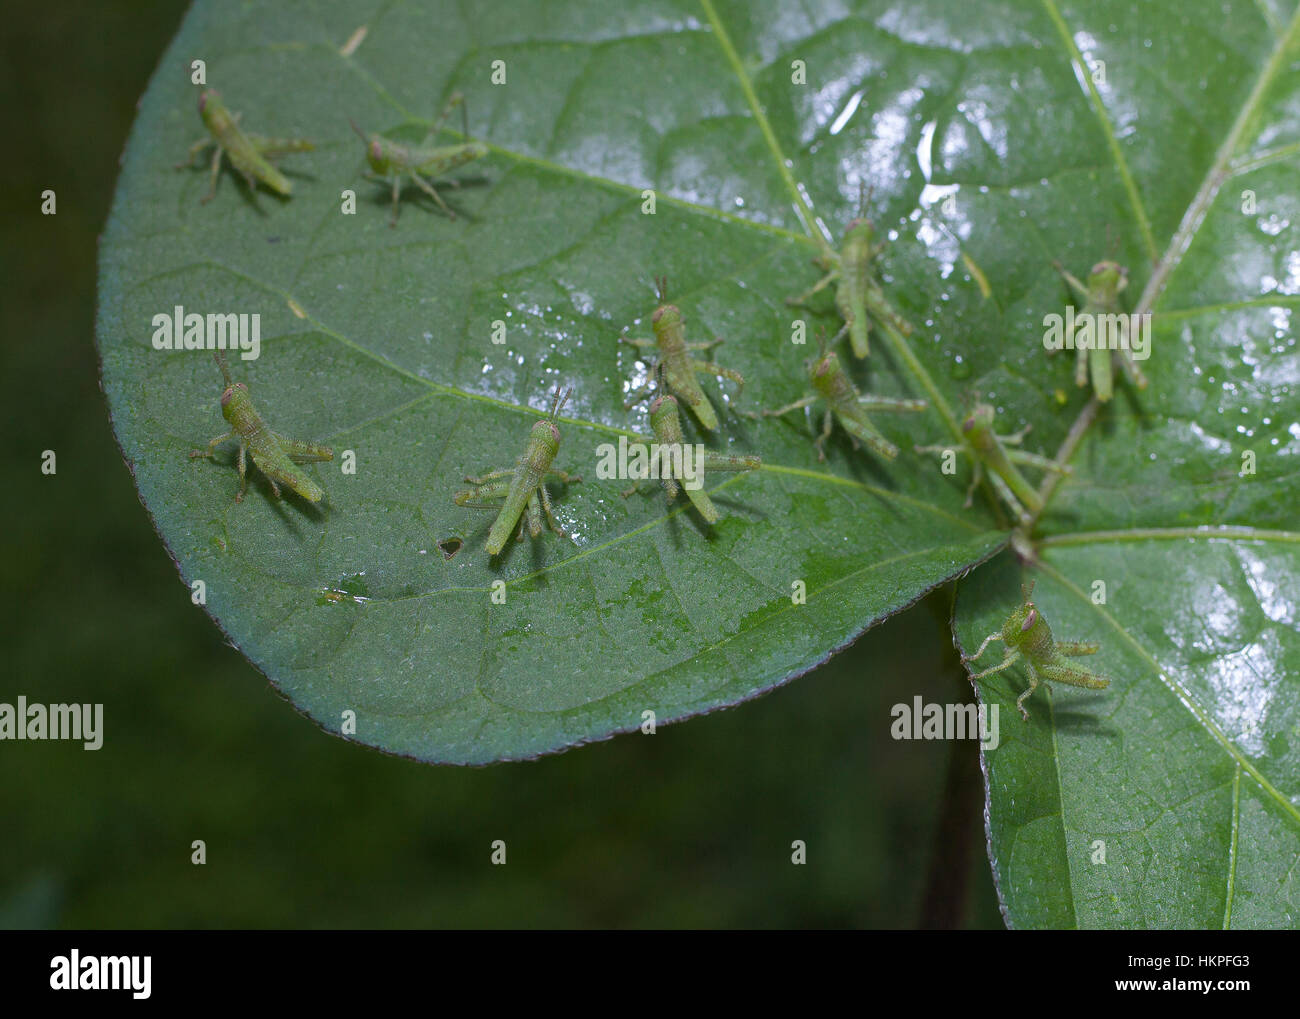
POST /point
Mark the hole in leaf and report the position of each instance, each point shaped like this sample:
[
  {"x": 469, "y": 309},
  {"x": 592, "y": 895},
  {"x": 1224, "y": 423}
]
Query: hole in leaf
[{"x": 450, "y": 546}]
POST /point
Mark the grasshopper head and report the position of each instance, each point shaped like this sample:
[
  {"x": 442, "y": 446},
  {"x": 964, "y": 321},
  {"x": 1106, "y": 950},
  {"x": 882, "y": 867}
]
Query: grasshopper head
[
  {"x": 213, "y": 111},
  {"x": 980, "y": 417},
  {"x": 376, "y": 154},
  {"x": 860, "y": 228},
  {"x": 825, "y": 366},
  {"x": 663, "y": 404},
  {"x": 547, "y": 434},
  {"x": 234, "y": 395},
  {"x": 1107, "y": 279},
  {"x": 1023, "y": 626},
  {"x": 666, "y": 316}
]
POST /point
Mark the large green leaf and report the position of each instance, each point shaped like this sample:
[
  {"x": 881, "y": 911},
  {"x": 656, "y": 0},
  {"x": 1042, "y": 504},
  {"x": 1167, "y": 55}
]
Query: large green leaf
[
  {"x": 378, "y": 340},
  {"x": 993, "y": 137}
]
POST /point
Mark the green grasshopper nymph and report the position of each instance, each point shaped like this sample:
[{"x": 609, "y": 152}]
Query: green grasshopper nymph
[
  {"x": 670, "y": 443},
  {"x": 1028, "y": 637},
  {"x": 678, "y": 367},
  {"x": 989, "y": 450},
  {"x": 1101, "y": 298},
  {"x": 523, "y": 487},
  {"x": 858, "y": 295},
  {"x": 272, "y": 453},
  {"x": 832, "y": 385},
  {"x": 250, "y": 154},
  {"x": 390, "y": 160}
]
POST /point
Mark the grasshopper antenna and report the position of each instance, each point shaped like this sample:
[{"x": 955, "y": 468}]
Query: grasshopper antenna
[
  {"x": 220, "y": 358},
  {"x": 661, "y": 288},
  {"x": 821, "y": 340},
  {"x": 864, "y": 197},
  {"x": 360, "y": 133},
  {"x": 561, "y": 398}
]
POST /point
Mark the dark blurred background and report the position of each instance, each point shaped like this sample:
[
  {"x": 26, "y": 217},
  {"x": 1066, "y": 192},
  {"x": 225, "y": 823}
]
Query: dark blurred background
[{"x": 690, "y": 827}]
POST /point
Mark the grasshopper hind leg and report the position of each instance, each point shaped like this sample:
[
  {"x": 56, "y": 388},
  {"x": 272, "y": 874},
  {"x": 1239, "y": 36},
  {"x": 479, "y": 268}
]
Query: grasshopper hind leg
[
  {"x": 545, "y": 500},
  {"x": 716, "y": 370},
  {"x": 533, "y": 516},
  {"x": 301, "y": 451},
  {"x": 1073, "y": 675},
  {"x": 432, "y": 192}
]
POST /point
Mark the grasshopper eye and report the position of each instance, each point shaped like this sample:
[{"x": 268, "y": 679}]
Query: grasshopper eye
[{"x": 1030, "y": 620}]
